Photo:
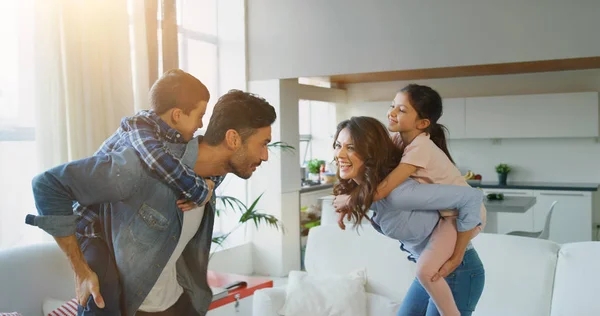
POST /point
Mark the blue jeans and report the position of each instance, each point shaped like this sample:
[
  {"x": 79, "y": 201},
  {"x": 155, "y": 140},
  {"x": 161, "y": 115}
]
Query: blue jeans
[{"x": 466, "y": 283}]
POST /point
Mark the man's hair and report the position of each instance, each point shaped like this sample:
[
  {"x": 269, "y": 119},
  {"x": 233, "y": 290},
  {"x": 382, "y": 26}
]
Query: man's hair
[
  {"x": 240, "y": 111},
  {"x": 177, "y": 89}
]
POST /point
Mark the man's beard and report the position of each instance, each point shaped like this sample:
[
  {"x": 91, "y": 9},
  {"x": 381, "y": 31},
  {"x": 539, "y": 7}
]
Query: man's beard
[{"x": 237, "y": 170}]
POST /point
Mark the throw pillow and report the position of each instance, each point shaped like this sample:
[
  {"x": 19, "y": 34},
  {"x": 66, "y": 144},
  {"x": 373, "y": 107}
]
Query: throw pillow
[
  {"x": 329, "y": 295},
  {"x": 378, "y": 305},
  {"x": 54, "y": 307}
]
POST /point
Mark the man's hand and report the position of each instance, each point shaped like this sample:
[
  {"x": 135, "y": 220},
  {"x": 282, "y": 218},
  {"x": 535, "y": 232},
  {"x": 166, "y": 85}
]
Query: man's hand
[
  {"x": 187, "y": 205},
  {"x": 86, "y": 284},
  {"x": 447, "y": 268}
]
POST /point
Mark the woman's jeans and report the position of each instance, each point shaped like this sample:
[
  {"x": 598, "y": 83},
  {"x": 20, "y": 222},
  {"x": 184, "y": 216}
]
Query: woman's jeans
[{"x": 466, "y": 283}]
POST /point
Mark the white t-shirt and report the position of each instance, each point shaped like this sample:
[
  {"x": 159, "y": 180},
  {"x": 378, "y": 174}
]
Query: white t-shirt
[{"x": 167, "y": 290}]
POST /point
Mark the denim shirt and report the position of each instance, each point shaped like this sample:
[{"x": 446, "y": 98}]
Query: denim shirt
[
  {"x": 138, "y": 216},
  {"x": 409, "y": 213}
]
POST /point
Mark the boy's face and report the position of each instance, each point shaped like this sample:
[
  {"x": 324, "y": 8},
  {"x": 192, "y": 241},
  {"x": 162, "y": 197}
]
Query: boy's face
[{"x": 188, "y": 124}]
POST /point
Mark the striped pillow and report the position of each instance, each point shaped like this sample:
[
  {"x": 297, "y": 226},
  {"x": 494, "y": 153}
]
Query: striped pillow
[{"x": 68, "y": 308}]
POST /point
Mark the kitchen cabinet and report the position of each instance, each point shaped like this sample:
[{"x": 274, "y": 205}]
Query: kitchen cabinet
[
  {"x": 533, "y": 116},
  {"x": 572, "y": 216},
  {"x": 502, "y": 223},
  {"x": 454, "y": 117}
]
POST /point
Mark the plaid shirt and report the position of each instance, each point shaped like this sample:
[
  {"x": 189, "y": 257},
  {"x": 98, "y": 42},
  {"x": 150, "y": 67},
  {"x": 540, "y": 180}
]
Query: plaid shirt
[{"x": 147, "y": 133}]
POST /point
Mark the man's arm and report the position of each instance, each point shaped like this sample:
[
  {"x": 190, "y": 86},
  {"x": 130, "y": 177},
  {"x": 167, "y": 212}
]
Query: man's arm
[
  {"x": 93, "y": 180},
  {"x": 412, "y": 196},
  {"x": 141, "y": 133}
]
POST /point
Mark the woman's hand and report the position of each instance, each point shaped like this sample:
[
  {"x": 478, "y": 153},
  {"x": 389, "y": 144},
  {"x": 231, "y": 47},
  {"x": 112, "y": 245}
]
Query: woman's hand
[
  {"x": 341, "y": 201},
  {"x": 447, "y": 268}
]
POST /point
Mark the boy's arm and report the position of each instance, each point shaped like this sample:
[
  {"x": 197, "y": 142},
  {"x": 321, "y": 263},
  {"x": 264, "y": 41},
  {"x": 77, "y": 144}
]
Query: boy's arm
[
  {"x": 394, "y": 179},
  {"x": 142, "y": 135}
]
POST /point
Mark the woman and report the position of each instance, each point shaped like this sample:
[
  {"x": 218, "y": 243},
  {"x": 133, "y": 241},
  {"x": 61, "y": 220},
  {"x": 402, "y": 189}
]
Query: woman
[{"x": 366, "y": 155}]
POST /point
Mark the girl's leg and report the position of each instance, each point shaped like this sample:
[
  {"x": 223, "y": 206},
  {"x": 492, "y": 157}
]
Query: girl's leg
[{"x": 438, "y": 251}]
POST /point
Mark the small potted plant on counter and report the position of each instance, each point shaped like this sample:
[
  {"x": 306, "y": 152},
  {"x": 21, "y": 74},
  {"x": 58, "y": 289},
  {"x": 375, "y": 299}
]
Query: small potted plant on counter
[{"x": 502, "y": 170}]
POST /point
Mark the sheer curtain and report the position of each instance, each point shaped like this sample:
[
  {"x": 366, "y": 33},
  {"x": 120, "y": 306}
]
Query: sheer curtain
[{"x": 73, "y": 81}]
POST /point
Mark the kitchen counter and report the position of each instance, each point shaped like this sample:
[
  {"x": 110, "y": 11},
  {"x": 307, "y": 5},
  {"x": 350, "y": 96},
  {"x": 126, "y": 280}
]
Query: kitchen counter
[
  {"x": 550, "y": 186},
  {"x": 316, "y": 187}
]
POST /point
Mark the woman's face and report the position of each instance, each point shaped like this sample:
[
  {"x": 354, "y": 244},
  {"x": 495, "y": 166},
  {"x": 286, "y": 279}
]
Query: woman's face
[
  {"x": 402, "y": 116},
  {"x": 349, "y": 163}
]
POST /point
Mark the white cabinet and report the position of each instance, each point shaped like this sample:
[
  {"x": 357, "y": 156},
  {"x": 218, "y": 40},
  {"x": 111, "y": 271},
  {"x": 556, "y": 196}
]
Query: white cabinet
[
  {"x": 572, "y": 216},
  {"x": 533, "y": 116},
  {"x": 502, "y": 223},
  {"x": 454, "y": 117}
]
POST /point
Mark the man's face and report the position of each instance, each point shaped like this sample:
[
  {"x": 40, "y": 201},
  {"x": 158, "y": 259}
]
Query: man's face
[
  {"x": 251, "y": 153},
  {"x": 188, "y": 124}
]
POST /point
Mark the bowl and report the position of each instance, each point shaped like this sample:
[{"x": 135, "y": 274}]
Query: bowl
[{"x": 474, "y": 182}]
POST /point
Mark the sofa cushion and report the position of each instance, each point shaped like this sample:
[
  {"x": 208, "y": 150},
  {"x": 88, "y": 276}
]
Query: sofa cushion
[
  {"x": 577, "y": 280},
  {"x": 331, "y": 250},
  {"x": 324, "y": 295},
  {"x": 519, "y": 274}
]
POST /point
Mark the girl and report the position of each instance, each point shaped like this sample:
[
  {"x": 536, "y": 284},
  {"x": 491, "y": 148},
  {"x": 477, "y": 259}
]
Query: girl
[
  {"x": 366, "y": 155},
  {"x": 413, "y": 120}
]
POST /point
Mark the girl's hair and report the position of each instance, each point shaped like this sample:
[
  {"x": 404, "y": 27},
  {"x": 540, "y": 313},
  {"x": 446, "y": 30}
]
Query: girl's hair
[
  {"x": 380, "y": 156},
  {"x": 428, "y": 104}
]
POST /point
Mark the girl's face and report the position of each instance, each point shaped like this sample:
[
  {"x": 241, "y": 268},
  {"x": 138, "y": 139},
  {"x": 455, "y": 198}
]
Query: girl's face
[
  {"x": 349, "y": 162},
  {"x": 402, "y": 116}
]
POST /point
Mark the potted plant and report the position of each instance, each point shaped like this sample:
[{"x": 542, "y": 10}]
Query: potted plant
[
  {"x": 314, "y": 167},
  {"x": 502, "y": 170}
]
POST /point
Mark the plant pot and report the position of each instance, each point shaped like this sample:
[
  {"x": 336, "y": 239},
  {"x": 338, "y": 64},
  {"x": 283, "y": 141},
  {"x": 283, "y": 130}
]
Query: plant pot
[
  {"x": 502, "y": 178},
  {"x": 314, "y": 177}
]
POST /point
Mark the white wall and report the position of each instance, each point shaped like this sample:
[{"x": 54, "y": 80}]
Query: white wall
[
  {"x": 290, "y": 38},
  {"x": 556, "y": 160}
]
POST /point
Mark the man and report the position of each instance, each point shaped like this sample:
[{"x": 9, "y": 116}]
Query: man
[{"x": 159, "y": 254}]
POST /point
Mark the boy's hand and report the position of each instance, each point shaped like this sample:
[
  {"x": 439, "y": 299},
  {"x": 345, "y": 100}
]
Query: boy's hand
[
  {"x": 341, "y": 213},
  {"x": 185, "y": 205}
]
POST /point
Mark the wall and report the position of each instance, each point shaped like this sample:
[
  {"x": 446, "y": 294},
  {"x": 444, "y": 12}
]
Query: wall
[
  {"x": 289, "y": 38},
  {"x": 562, "y": 160}
]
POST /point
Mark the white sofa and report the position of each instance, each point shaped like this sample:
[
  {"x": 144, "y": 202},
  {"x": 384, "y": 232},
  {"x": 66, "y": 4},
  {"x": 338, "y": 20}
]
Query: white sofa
[
  {"x": 524, "y": 276},
  {"x": 31, "y": 274}
]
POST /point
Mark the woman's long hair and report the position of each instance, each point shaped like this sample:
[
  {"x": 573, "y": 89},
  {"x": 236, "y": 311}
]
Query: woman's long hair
[{"x": 380, "y": 156}]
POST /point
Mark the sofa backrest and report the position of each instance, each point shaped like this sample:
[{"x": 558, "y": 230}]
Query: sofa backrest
[
  {"x": 519, "y": 271},
  {"x": 577, "y": 281},
  {"x": 330, "y": 250},
  {"x": 519, "y": 275},
  {"x": 31, "y": 274}
]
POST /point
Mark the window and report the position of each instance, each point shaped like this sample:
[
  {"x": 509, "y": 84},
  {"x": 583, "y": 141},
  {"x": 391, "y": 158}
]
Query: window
[
  {"x": 18, "y": 152},
  {"x": 317, "y": 128},
  {"x": 198, "y": 44}
]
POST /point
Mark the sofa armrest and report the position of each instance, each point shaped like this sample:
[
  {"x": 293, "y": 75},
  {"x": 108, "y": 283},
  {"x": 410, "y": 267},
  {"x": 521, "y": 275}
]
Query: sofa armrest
[{"x": 267, "y": 302}]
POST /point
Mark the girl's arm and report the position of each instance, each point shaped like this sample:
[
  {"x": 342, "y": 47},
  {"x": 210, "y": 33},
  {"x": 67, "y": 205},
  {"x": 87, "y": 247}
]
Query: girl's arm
[{"x": 394, "y": 179}]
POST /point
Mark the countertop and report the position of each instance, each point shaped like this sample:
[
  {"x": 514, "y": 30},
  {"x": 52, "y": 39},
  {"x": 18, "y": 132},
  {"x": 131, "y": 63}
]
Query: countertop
[
  {"x": 316, "y": 187},
  {"x": 551, "y": 186}
]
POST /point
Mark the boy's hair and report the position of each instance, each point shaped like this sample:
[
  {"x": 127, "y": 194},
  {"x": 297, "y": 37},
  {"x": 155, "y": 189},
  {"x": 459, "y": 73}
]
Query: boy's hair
[
  {"x": 177, "y": 89},
  {"x": 241, "y": 111}
]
